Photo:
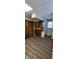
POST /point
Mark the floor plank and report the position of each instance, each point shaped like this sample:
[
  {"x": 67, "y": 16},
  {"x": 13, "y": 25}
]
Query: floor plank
[{"x": 38, "y": 48}]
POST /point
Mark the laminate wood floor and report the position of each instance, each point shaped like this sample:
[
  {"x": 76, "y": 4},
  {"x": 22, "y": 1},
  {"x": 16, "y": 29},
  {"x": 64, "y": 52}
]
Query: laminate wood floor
[{"x": 38, "y": 48}]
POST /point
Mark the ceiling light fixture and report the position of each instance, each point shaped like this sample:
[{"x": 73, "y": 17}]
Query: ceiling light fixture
[
  {"x": 33, "y": 15},
  {"x": 27, "y": 8}
]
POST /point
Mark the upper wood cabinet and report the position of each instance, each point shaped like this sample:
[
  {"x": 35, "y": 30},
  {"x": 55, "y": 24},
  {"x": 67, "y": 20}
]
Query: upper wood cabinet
[{"x": 38, "y": 24}]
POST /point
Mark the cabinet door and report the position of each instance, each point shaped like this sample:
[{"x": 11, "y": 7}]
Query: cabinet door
[
  {"x": 38, "y": 24},
  {"x": 38, "y": 32},
  {"x": 28, "y": 28}
]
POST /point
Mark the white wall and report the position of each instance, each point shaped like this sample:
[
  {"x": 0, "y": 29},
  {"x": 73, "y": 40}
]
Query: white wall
[{"x": 49, "y": 32}]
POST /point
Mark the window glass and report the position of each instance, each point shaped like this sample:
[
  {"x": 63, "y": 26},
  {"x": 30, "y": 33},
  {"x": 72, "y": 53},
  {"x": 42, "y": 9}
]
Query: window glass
[{"x": 50, "y": 24}]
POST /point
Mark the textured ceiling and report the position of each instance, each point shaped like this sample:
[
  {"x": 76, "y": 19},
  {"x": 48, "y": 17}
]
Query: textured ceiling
[{"x": 43, "y": 8}]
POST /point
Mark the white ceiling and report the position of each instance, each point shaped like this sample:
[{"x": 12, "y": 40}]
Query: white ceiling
[{"x": 43, "y": 8}]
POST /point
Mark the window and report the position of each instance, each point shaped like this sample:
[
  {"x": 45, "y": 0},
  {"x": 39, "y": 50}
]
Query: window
[
  {"x": 27, "y": 8},
  {"x": 50, "y": 24}
]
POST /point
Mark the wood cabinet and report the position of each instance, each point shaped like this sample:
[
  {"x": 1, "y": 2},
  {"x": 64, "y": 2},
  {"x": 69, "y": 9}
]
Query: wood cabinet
[
  {"x": 33, "y": 28},
  {"x": 28, "y": 28},
  {"x": 38, "y": 28}
]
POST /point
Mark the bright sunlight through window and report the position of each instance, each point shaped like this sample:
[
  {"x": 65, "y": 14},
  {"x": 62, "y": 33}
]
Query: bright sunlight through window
[
  {"x": 50, "y": 24},
  {"x": 27, "y": 8}
]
